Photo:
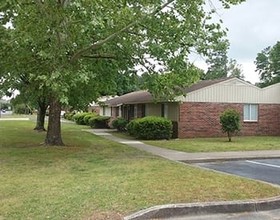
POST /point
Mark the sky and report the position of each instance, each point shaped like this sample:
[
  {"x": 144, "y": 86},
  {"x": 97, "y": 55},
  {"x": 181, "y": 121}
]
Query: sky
[{"x": 252, "y": 26}]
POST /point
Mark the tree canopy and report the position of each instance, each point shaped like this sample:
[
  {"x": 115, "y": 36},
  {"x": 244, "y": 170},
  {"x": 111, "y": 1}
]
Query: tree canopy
[
  {"x": 220, "y": 65},
  {"x": 72, "y": 50},
  {"x": 268, "y": 65}
]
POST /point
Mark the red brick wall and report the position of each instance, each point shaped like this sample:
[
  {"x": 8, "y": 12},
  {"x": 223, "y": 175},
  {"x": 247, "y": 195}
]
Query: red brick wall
[{"x": 203, "y": 120}]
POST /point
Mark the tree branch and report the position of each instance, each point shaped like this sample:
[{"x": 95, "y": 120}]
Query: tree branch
[
  {"x": 100, "y": 56},
  {"x": 97, "y": 45}
]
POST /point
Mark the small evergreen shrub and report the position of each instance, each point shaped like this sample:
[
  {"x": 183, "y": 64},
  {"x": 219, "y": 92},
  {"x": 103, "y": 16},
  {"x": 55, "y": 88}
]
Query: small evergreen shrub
[
  {"x": 120, "y": 124},
  {"x": 99, "y": 122},
  {"x": 230, "y": 121},
  {"x": 150, "y": 128}
]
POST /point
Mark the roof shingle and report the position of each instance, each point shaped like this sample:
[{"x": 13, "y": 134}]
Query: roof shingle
[{"x": 144, "y": 96}]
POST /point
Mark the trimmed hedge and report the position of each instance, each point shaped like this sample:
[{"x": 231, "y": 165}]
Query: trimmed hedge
[
  {"x": 120, "y": 124},
  {"x": 131, "y": 127},
  {"x": 79, "y": 118},
  {"x": 150, "y": 128},
  {"x": 88, "y": 117},
  {"x": 99, "y": 122}
]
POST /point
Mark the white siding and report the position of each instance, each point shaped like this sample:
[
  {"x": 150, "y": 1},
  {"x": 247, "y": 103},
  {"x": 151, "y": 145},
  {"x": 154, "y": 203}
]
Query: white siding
[{"x": 234, "y": 91}]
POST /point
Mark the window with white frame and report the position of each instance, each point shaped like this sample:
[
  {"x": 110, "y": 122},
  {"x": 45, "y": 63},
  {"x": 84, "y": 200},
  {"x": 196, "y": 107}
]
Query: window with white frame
[{"x": 250, "y": 112}]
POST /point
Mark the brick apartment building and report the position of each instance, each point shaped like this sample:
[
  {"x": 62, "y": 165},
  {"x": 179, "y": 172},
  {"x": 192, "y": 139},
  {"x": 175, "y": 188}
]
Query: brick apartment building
[{"x": 197, "y": 114}]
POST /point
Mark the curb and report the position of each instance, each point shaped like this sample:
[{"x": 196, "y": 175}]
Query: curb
[{"x": 191, "y": 209}]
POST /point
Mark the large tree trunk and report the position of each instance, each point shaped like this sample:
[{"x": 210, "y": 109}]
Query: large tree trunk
[
  {"x": 53, "y": 137},
  {"x": 42, "y": 108}
]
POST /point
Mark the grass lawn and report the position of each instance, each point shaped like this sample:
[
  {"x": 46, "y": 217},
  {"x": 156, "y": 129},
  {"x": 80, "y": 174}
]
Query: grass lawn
[
  {"x": 220, "y": 144},
  {"x": 91, "y": 178}
]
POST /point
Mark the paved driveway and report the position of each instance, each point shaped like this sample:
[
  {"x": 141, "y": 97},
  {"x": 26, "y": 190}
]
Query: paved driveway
[{"x": 267, "y": 170}]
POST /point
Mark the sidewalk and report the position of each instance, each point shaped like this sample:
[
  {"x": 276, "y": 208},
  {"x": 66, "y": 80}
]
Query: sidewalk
[
  {"x": 189, "y": 157},
  {"x": 265, "y": 209}
]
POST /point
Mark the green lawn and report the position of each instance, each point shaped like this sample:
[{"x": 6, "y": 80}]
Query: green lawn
[
  {"x": 220, "y": 144},
  {"x": 91, "y": 178}
]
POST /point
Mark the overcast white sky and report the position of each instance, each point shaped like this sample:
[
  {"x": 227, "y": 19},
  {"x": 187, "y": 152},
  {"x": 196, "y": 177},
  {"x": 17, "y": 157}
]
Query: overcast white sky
[{"x": 253, "y": 26}]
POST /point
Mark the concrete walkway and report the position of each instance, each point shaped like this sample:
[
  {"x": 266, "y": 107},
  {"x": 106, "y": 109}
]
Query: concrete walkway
[
  {"x": 216, "y": 209},
  {"x": 189, "y": 157}
]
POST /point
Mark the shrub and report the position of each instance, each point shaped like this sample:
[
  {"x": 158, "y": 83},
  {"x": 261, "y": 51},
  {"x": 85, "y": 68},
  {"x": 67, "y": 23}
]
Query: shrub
[
  {"x": 120, "y": 124},
  {"x": 230, "y": 121},
  {"x": 69, "y": 116},
  {"x": 131, "y": 127},
  {"x": 99, "y": 122},
  {"x": 79, "y": 118},
  {"x": 88, "y": 117},
  {"x": 150, "y": 128}
]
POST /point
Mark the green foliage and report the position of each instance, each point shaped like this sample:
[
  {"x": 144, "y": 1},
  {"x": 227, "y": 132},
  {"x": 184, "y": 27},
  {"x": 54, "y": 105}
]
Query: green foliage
[
  {"x": 22, "y": 109},
  {"x": 230, "y": 121},
  {"x": 150, "y": 128},
  {"x": 218, "y": 61},
  {"x": 76, "y": 49},
  {"x": 268, "y": 65},
  {"x": 88, "y": 117},
  {"x": 234, "y": 69},
  {"x": 131, "y": 127},
  {"x": 127, "y": 82},
  {"x": 120, "y": 124},
  {"x": 220, "y": 66},
  {"x": 79, "y": 118},
  {"x": 99, "y": 122},
  {"x": 172, "y": 83},
  {"x": 69, "y": 116}
]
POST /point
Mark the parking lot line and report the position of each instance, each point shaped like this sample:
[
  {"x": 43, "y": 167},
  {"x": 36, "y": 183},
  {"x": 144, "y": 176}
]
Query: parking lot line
[{"x": 263, "y": 164}]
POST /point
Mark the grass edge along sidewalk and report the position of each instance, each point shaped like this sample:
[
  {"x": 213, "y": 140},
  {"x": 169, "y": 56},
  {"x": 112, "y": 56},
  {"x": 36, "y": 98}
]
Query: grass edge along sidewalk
[
  {"x": 195, "y": 145},
  {"x": 91, "y": 176}
]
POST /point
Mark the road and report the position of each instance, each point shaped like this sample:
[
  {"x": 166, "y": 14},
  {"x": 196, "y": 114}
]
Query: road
[{"x": 267, "y": 170}]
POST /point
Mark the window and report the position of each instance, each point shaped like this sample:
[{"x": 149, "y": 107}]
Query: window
[
  {"x": 250, "y": 112},
  {"x": 164, "y": 110}
]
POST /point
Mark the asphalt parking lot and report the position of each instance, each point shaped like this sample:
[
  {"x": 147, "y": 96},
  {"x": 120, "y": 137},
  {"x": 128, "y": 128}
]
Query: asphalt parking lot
[{"x": 267, "y": 170}]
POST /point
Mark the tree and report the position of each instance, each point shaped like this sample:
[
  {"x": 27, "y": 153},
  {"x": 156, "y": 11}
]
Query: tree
[
  {"x": 268, "y": 65},
  {"x": 218, "y": 62},
  {"x": 74, "y": 49},
  {"x": 220, "y": 66},
  {"x": 234, "y": 69},
  {"x": 230, "y": 121},
  {"x": 127, "y": 82}
]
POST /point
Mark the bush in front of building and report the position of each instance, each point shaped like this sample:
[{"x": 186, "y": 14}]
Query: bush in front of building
[
  {"x": 230, "y": 121},
  {"x": 79, "y": 118},
  {"x": 88, "y": 117},
  {"x": 69, "y": 116},
  {"x": 99, "y": 122},
  {"x": 150, "y": 128},
  {"x": 131, "y": 127},
  {"x": 120, "y": 124}
]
